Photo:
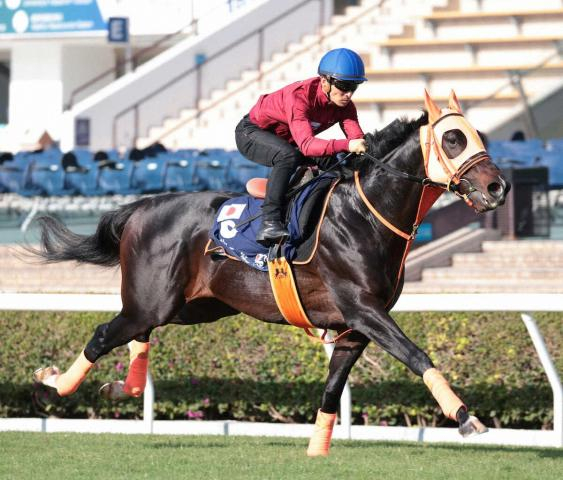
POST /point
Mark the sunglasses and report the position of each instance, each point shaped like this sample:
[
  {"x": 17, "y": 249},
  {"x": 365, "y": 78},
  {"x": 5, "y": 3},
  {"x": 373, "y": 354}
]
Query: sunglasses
[{"x": 345, "y": 86}]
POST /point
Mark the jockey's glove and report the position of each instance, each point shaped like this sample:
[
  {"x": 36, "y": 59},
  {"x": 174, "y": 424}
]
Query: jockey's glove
[{"x": 357, "y": 145}]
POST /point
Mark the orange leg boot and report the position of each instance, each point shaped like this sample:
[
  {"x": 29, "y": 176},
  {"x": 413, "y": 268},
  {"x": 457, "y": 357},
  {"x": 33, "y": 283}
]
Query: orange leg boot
[
  {"x": 449, "y": 402},
  {"x": 68, "y": 382},
  {"x": 319, "y": 445},
  {"x": 138, "y": 367}
]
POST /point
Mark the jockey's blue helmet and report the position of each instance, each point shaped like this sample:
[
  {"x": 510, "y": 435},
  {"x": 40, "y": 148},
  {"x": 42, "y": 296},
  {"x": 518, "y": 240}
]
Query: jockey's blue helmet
[{"x": 342, "y": 64}]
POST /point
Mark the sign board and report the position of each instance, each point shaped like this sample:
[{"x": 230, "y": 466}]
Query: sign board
[
  {"x": 82, "y": 132},
  {"x": 47, "y": 17},
  {"x": 118, "y": 29}
]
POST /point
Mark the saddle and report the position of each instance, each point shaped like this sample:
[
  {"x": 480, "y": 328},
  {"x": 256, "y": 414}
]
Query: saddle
[{"x": 234, "y": 231}]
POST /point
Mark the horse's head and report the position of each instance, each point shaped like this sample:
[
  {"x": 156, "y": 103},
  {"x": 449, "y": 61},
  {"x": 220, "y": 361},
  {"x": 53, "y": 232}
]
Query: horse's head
[{"x": 454, "y": 154}]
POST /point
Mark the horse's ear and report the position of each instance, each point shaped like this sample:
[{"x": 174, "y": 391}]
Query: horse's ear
[
  {"x": 433, "y": 109},
  {"x": 453, "y": 102}
]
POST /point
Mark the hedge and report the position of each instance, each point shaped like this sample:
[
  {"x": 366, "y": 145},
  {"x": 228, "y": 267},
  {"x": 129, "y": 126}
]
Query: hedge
[{"x": 242, "y": 369}]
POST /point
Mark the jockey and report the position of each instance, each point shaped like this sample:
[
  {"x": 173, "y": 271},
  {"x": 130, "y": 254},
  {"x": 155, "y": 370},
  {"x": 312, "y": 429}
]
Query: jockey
[{"x": 280, "y": 130}]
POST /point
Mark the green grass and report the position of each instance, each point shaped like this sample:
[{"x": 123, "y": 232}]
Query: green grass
[{"x": 89, "y": 456}]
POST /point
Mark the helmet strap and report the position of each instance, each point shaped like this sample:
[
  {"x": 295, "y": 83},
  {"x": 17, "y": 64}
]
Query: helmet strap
[{"x": 329, "y": 80}]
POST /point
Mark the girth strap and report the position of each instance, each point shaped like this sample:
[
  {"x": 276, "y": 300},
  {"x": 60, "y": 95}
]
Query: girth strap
[
  {"x": 287, "y": 299},
  {"x": 285, "y": 293}
]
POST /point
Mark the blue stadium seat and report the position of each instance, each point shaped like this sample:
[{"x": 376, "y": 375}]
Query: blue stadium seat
[
  {"x": 554, "y": 145},
  {"x": 180, "y": 176},
  {"x": 213, "y": 173},
  {"x": 554, "y": 161},
  {"x": 118, "y": 181},
  {"x": 241, "y": 170},
  {"x": 45, "y": 180},
  {"x": 184, "y": 153},
  {"x": 84, "y": 183},
  {"x": 515, "y": 153},
  {"x": 85, "y": 158},
  {"x": 148, "y": 176},
  {"x": 15, "y": 177}
]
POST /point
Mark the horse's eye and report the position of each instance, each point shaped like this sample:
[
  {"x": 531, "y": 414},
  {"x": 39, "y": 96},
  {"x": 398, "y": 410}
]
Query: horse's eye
[
  {"x": 454, "y": 142},
  {"x": 451, "y": 137}
]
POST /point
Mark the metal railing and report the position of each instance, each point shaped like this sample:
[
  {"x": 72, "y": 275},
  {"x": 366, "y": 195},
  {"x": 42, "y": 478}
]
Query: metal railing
[
  {"x": 515, "y": 81},
  {"x": 133, "y": 61},
  {"x": 188, "y": 30},
  {"x": 258, "y": 32}
]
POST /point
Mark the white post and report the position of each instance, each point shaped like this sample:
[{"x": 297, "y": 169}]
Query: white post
[
  {"x": 552, "y": 376},
  {"x": 345, "y": 399},
  {"x": 148, "y": 405},
  {"x": 148, "y": 402}
]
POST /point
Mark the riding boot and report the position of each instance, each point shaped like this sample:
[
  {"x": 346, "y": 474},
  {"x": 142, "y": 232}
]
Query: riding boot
[{"x": 271, "y": 231}]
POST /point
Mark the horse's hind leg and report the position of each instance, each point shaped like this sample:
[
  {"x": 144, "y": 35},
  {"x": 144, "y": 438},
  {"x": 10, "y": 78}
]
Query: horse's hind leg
[
  {"x": 346, "y": 353},
  {"x": 202, "y": 310},
  {"x": 107, "y": 336},
  {"x": 135, "y": 383}
]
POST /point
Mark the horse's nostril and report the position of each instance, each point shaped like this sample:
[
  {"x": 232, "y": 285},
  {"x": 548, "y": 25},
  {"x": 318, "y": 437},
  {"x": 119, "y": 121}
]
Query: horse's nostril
[{"x": 495, "y": 189}]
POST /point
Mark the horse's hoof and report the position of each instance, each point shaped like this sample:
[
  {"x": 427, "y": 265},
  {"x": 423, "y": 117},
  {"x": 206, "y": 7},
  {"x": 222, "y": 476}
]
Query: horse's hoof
[
  {"x": 472, "y": 426},
  {"x": 47, "y": 376},
  {"x": 113, "y": 391}
]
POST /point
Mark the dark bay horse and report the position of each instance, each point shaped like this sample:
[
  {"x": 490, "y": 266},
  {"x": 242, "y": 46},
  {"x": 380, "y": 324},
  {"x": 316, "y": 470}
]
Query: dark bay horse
[{"x": 352, "y": 282}]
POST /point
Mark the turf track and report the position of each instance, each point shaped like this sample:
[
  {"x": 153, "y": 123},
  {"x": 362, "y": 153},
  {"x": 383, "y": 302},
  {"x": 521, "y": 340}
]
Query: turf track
[{"x": 89, "y": 456}]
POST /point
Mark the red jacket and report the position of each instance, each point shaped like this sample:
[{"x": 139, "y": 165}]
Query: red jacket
[{"x": 301, "y": 110}]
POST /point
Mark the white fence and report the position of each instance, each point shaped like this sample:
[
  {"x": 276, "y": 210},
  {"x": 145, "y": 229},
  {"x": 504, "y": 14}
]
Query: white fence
[{"x": 526, "y": 304}]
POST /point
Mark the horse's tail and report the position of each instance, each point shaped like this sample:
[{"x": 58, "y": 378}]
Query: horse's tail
[{"x": 59, "y": 244}]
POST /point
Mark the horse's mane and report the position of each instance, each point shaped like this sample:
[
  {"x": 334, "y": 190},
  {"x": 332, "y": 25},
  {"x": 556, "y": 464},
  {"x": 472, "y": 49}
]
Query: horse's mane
[{"x": 382, "y": 142}]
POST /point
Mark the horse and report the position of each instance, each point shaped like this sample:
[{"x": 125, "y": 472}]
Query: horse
[{"x": 349, "y": 286}]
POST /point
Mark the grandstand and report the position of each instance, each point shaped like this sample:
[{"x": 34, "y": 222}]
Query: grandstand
[{"x": 160, "y": 117}]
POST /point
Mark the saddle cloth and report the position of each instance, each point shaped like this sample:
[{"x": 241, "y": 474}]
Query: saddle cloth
[{"x": 234, "y": 236}]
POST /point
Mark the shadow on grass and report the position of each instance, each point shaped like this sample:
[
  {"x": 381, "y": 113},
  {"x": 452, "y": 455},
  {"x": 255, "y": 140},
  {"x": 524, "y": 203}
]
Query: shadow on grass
[
  {"x": 417, "y": 448},
  {"x": 187, "y": 444}
]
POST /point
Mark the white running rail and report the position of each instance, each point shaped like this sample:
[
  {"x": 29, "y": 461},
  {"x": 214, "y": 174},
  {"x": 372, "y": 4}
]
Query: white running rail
[{"x": 526, "y": 304}]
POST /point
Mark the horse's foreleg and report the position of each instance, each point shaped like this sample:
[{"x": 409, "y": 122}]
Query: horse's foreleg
[
  {"x": 346, "y": 353},
  {"x": 450, "y": 403},
  {"x": 383, "y": 330}
]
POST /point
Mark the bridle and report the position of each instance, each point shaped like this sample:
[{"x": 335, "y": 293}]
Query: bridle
[{"x": 441, "y": 171}]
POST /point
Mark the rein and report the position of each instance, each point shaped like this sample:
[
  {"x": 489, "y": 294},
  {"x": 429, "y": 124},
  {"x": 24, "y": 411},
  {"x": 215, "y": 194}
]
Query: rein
[{"x": 411, "y": 178}]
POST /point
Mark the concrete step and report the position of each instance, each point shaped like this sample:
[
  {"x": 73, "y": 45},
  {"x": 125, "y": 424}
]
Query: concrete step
[
  {"x": 24, "y": 288},
  {"x": 57, "y": 272},
  {"x": 483, "y": 286},
  {"x": 499, "y": 274},
  {"x": 490, "y": 260},
  {"x": 509, "y": 247},
  {"x": 34, "y": 263}
]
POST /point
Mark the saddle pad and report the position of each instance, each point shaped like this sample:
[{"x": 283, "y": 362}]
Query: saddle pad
[{"x": 235, "y": 227}]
